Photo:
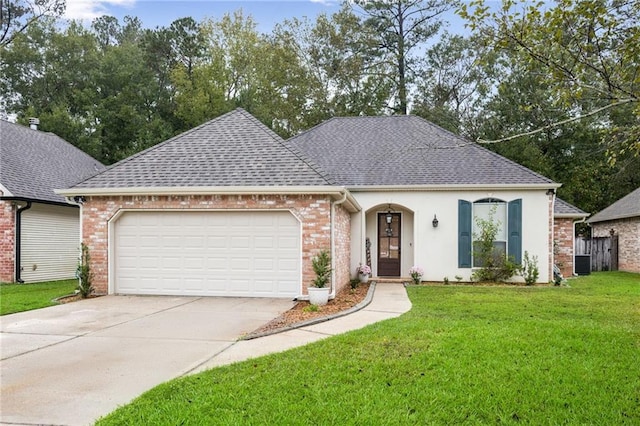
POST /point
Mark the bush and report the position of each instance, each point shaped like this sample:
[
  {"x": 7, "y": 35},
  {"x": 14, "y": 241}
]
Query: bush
[
  {"x": 321, "y": 264},
  {"x": 496, "y": 266},
  {"x": 529, "y": 269},
  {"x": 85, "y": 275}
]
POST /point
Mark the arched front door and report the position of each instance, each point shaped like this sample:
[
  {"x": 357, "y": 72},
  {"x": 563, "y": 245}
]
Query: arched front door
[{"x": 389, "y": 244}]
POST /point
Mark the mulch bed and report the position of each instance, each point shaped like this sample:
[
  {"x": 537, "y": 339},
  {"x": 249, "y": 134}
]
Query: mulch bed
[{"x": 344, "y": 300}]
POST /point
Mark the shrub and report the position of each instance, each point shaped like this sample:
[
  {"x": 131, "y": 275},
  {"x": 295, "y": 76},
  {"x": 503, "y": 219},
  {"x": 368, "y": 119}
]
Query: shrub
[
  {"x": 321, "y": 264},
  {"x": 529, "y": 269},
  {"x": 416, "y": 273},
  {"x": 85, "y": 275},
  {"x": 495, "y": 265},
  {"x": 354, "y": 283}
]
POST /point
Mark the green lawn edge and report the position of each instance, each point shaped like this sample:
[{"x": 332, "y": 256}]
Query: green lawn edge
[
  {"x": 16, "y": 298},
  {"x": 463, "y": 354}
]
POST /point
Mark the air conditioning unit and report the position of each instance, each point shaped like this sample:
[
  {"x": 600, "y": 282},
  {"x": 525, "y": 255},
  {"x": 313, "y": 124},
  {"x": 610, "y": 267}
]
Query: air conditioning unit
[{"x": 582, "y": 264}]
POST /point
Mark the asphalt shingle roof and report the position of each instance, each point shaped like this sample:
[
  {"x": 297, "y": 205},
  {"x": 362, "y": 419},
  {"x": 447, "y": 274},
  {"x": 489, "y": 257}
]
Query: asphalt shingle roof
[
  {"x": 404, "y": 150},
  {"x": 234, "y": 149},
  {"x": 34, "y": 163},
  {"x": 563, "y": 208},
  {"x": 627, "y": 206}
]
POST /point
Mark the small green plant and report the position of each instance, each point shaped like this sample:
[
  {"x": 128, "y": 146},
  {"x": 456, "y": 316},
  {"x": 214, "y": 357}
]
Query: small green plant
[
  {"x": 85, "y": 276},
  {"x": 354, "y": 283},
  {"x": 458, "y": 278},
  {"x": 311, "y": 308},
  {"x": 493, "y": 262},
  {"x": 416, "y": 273},
  {"x": 446, "y": 280},
  {"x": 529, "y": 269},
  {"x": 321, "y": 264}
]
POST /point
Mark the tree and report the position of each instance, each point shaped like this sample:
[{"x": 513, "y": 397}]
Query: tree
[
  {"x": 17, "y": 15},
  {"x": 588, "y": 52},
  {"x": 402, "y": 25},
  {"x": 456, "y": 81}
]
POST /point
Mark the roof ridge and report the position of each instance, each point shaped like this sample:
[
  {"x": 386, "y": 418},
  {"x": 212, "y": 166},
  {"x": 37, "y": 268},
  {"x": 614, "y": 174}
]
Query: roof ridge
[
  {"x": 469, "y": 142},
  {"x": 282, "y": 142},
  {"x": 159, "y": 145}
]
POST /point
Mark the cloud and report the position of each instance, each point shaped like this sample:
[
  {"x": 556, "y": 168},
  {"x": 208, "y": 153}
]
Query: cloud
[
  {"x": 324, "y": 2},
  {"x": 87, "y": 10}
]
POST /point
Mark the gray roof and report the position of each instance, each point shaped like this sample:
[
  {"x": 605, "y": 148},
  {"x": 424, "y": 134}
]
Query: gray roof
[
  {"x": 34, "y": 163},
  {"x": 234, "y": 149},
  {"x": 562, "y": 208},
  {"x": 405, "y": 150},
  {"x": 627, "y": 206}
]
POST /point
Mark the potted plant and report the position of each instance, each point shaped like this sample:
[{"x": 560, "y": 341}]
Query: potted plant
[
  {"x": 416, "y": 273},
  {"x": 364, "y": 271},
  {"x": 319, "y": 291}
]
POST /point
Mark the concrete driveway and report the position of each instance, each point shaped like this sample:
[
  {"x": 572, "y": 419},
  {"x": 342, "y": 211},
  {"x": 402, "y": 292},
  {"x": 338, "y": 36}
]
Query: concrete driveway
[{"x": 71, "y": 364}]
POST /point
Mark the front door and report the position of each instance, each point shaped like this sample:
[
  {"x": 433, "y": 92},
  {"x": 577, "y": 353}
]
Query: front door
[{"x": 388, "y": 245}]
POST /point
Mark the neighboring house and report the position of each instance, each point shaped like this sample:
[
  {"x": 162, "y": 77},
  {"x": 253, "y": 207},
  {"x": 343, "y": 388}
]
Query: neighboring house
[
  {"x": 230, "y": 209},
  {"x": 565, "y": 217},
  {"x": 40, "y": 230},
  {"x": 623, "y": 219}
]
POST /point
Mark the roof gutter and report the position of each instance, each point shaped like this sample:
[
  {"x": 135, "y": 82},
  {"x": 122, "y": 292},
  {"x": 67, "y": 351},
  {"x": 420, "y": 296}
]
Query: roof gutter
[
  {"x": 337, "y": 192},
  {"x": 18, "y": 242},
  {"x": 454, "y": 187},
  {"x": 33, "y": 200}
]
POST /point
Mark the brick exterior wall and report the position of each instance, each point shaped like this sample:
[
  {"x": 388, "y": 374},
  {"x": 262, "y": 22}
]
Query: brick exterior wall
[
  {"x": 563, "y": 239},
  {"x": 628, "y": 231},
  {"x": 313, "y": 211},
  {"x": 342, "y": 253},
  {"x": 7, "y": 241}
]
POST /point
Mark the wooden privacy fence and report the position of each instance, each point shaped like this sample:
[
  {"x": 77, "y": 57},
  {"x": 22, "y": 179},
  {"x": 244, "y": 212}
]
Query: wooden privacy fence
[{"x": 603, "y": 251}]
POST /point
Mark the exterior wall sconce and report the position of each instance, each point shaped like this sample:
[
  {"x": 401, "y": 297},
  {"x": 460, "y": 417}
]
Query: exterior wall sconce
[
  {"x": 434, "y": 222},
  {"x": 389, "y": 219}
]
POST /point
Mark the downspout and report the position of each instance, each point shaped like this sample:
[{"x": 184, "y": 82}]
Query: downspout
[
  {"x": 553, "y": 234},
  {"x": 18, "y": 239},
  {"x": 332, "y": 295}
]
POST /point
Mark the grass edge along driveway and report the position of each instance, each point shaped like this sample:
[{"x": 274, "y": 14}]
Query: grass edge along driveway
[
  {"x": 25, "y": 297},
  {"x": 463, "y": 354}
]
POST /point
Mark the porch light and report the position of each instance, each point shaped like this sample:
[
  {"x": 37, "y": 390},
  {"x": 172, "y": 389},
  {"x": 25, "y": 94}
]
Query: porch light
[
  {"x": 389, "y": 216},
  {"x": 434, "y": 222}
]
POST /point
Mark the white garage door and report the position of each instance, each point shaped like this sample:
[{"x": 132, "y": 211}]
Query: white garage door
[{"x": 246, "y": 254}]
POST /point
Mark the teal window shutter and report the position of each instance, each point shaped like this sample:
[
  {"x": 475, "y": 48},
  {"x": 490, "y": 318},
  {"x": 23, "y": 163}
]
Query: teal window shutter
[
  {"x": 514, "y": 230},
  {"x": 464, "y": 234}
]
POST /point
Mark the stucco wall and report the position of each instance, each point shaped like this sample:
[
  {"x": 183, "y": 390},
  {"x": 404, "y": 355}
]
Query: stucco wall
[
  {"x": 7, "y": 241},
  {"x": 628, "y": 231},
  {"x": 563, "y": 240},
  {"x": 314, "y": 213},
  {"x": 436, "y": 249}
]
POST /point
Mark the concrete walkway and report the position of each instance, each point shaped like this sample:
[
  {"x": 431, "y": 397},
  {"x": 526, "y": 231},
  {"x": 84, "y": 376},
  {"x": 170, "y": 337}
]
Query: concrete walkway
[{"x": 71, "y": 364}]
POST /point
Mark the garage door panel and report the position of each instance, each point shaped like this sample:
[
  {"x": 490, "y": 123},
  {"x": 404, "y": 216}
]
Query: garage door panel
[{"x": 207, "y": 253}]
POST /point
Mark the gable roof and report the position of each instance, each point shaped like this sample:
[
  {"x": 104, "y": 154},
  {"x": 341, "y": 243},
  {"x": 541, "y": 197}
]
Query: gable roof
[
  {"x": 627, "y": 206},
  {"x": 563, "y": 209},
  {"x": 405, "y": 151},
  {"x": 234, "y": 149},
  {"x": 34, "y": 163}
]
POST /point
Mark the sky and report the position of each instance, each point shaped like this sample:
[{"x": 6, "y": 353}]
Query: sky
[{"x": 160, "y": 13}]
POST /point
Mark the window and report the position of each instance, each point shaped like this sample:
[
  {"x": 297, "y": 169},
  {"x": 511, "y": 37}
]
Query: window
[
  {"x": 509, "y": 238},
  {"x": 489, "y": 209}
]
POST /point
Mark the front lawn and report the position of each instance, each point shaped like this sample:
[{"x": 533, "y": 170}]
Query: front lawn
[
  {"x": 25, "y": 297},
  {"x": 463, "y": 354}
]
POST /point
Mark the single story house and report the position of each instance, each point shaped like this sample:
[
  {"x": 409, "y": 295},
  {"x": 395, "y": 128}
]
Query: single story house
[
  {"x": 230, "y": 209},
  {"x": 622, "y": 218},
  {"x": 40, "y": 229}
]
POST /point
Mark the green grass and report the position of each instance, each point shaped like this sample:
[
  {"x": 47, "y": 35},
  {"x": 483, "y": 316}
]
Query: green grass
[
  {"x": 25, "y": 297},
  {"x": 463, "y": 354}
]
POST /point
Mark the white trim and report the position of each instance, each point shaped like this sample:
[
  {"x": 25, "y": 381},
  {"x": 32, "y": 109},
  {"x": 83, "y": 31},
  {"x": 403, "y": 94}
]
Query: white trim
[
  {"x": 4, "y": 192},
  {"x": 451, "y": 187},
  {"x": 337, "y": 192},
  {"x": 570, "y": 215}
]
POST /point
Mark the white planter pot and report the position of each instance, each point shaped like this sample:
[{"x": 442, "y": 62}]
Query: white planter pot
[
  {"x": 318, "y": 296},
  {"x": 364, "y": 278}
]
